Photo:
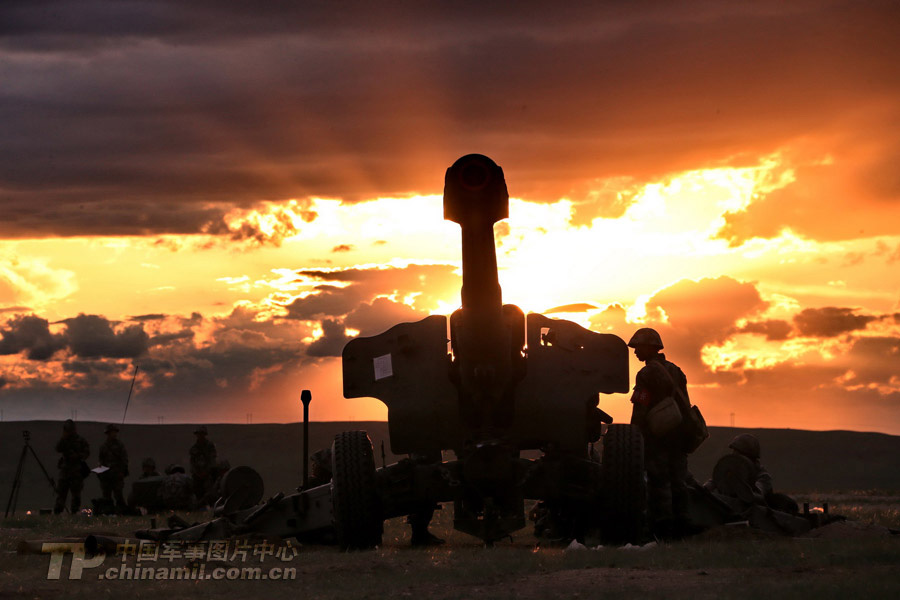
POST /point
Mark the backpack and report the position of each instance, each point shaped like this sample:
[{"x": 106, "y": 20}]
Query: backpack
[{"x": 693, "y": 426}]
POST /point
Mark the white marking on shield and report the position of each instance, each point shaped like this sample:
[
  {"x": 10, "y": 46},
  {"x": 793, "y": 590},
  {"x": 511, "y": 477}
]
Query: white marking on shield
[{"x": 383, "y": 368}]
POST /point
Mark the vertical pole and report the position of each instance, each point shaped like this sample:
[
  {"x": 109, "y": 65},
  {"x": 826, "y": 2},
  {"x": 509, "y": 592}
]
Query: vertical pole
[
  {"x": 305, "y": 398},
  {"x": 131, "y": 389}
]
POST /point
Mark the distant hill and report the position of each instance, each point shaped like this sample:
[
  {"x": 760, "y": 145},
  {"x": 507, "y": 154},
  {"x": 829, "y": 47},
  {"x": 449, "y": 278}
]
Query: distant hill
[{"x": 800, "y": 461}]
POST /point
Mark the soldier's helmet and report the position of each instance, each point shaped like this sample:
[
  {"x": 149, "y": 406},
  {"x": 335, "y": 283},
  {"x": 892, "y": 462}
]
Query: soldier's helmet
[
  {"x": 173, "y": 468},
  {"x": 647, "y": 337},
  {"x": 69, "y": 425},
  {"x": 110, "y": 428},
  {"x": 746, "y": 444},
  {"x": 201, "y": 429}
]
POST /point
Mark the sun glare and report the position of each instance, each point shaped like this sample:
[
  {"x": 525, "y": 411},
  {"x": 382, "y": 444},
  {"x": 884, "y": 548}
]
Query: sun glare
[{"x": 666, "y": 234}]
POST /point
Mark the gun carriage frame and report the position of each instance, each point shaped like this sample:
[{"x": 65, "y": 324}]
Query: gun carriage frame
[{"x": 507, "y": 383}]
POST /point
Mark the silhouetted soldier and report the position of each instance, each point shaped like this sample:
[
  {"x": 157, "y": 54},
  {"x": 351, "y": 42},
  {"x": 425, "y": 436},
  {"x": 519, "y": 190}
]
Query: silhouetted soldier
[
  {"x": 203, "y": 462},
  {"x": 114, "y": 456},
  {"x": 664, "y": 457},
  {"x": 756, "y": 486},
  {"x": 72, "y": 468}
]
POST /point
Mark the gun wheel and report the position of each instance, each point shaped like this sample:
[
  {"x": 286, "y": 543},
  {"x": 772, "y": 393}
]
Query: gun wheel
[
  {"x": 624, "y": 486},
  {"x": 357, "y": 513}
]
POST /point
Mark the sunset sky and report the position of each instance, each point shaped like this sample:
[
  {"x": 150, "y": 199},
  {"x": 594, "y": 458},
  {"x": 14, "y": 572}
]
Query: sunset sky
[{"x": 224, "y": 193}]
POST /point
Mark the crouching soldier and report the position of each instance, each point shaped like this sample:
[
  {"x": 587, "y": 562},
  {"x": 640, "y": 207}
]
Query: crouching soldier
[
  {"x": 148, "y": 468},
  {"x": 320, "y": 473},
  {"x": 741, "y": 483},
  {"x": 145, "y": 491},
  {"x": 176, "y": 492},
  {"x": 749, "y": 482}
]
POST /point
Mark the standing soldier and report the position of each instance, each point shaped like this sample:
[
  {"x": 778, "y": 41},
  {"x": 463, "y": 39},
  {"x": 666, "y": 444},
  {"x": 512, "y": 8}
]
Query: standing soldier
[
  {"x": 203, "y": 461},
  {"x": 664, "y": 457},
  {"x": 113, "y": 456},
  {"x": 72, "y": 468}
]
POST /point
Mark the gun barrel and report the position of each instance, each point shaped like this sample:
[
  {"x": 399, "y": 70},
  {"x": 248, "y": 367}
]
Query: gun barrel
[{"x": 475, "y": 196}]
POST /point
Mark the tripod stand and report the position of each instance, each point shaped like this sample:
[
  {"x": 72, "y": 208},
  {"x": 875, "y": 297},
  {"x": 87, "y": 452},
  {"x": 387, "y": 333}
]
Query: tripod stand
[{"x": 17, "y": 482}]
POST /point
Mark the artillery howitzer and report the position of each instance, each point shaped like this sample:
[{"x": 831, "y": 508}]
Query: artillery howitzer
[{"x": 507, "y": 383}]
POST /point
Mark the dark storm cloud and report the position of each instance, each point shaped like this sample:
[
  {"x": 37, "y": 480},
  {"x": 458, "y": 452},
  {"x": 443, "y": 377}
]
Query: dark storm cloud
[
  {"x": 85, "y": 336},
  {"x": 13, "y": 309},
  {"x": 225, "y": 363},
  {"x": 332, "y": 341},
  {"x": 369, "y": 318},
  {"x": 210, "y": 21},
  {"x": 166, "y": 339},
  {"x": 431, "y": 282},
  {"x": 830, "y": 321},
  {"x": 325, "y": 300},
  {"x": 31, "y": 335},
  {"x": 873, "y": 360},
  {"x": 149, "y": 317},
  {"x": 381, "y": 314},
  {"x": 153, "y": 117},
  {"x": 91, "y": 373},
  {"x": 360, "y": 303},
  {"x": 236, "y": 352},
  {"x": 92, "y": 336},
  {"x": 773, "y": 329},
  {"x": 190, "y": 358}
]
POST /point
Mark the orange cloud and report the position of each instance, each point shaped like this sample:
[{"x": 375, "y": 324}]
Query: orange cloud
[{"x": 585, "y": 103}]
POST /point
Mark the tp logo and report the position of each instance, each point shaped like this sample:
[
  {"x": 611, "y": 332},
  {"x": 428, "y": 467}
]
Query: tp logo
[{"x": 57, "y": 552}]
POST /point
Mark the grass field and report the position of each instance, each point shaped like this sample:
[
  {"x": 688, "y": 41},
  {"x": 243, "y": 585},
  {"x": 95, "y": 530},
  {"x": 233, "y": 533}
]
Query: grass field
[
  {"x": 732, "y": 563},
  {"x": 857, "y": 473}
]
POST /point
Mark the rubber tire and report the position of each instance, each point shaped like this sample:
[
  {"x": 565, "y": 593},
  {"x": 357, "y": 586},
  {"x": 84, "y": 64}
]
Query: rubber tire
[
  {"x": 624, "y": 485},
  {"x": 357, "y": 517}
]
